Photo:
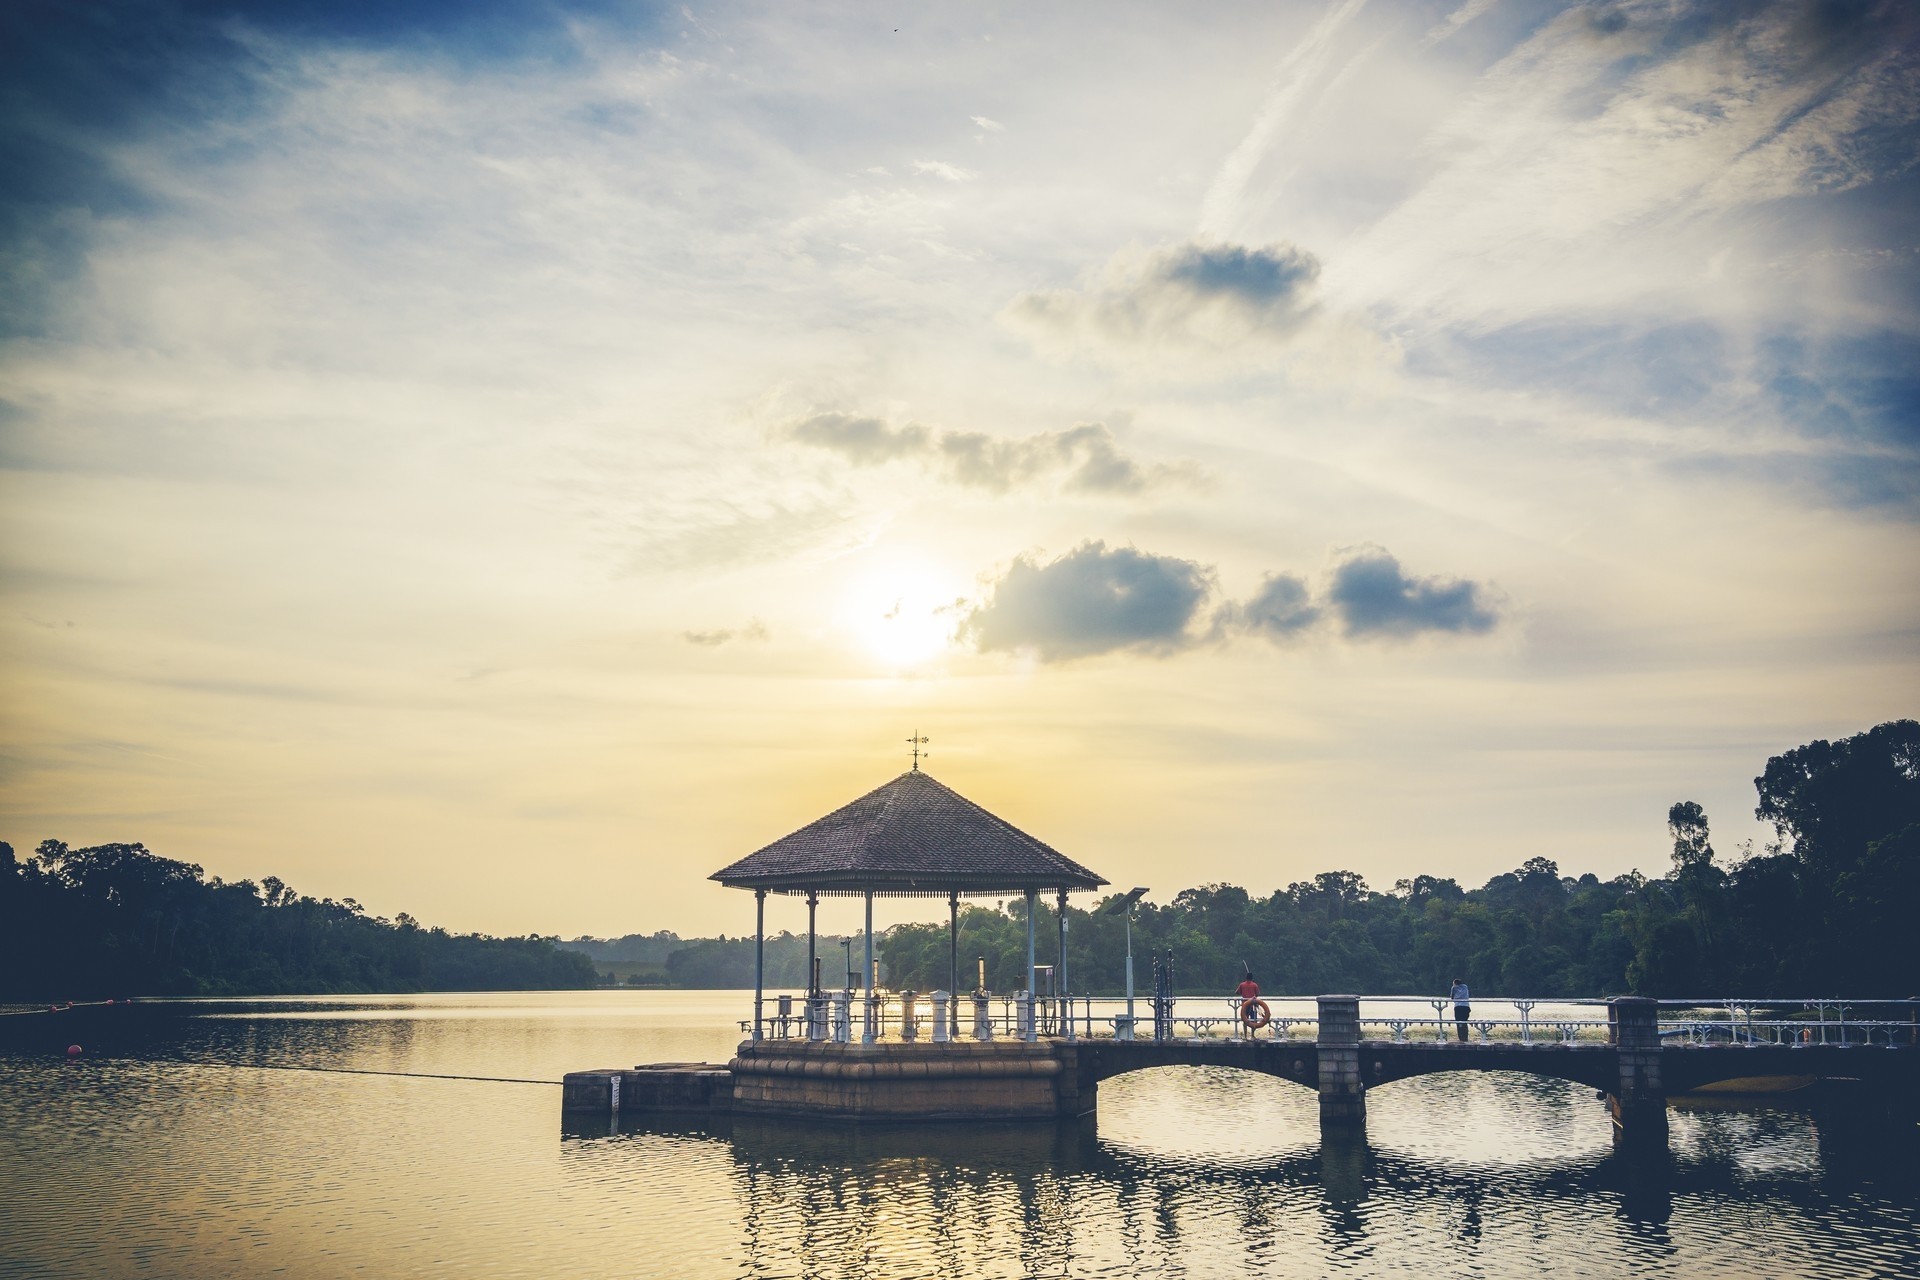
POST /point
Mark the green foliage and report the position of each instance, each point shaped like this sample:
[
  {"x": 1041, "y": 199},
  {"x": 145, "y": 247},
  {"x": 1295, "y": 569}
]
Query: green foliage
[
  {"x": 117, "y": 919},
  {"x": 1832, "y": 916}
]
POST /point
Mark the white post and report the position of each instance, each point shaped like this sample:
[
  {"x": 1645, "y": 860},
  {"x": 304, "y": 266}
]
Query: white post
[
  {"x": 1027, "y": 1029},
  {"x": 759, "y": 957},
  {"x": 942, "y": 1010},
  {"x": 869, "y": 1033}
]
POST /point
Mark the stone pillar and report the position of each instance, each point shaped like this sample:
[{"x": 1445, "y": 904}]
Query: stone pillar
[
  {"x": 942, "y": 1028},
  {"x": 1639, "y": 1100},
  {"x": 1343, "y": 1095},
  {"x": 909, "y": 1025},
  {"x": 982, "y": 1017}
]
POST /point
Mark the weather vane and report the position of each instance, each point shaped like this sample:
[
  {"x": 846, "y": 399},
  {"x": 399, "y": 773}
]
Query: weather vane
[{"x": 917, "y": 741}]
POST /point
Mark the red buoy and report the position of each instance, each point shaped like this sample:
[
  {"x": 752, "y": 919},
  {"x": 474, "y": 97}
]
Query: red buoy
[{"x": 73, "y": 1051}]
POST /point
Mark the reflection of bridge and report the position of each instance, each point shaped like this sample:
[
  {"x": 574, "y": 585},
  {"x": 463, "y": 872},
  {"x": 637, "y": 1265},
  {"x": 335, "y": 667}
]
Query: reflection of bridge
[{"x": 1032, "y": 1076}]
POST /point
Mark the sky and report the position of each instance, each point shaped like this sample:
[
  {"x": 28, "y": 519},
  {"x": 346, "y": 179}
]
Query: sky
[{"x": 503, "y": 462}]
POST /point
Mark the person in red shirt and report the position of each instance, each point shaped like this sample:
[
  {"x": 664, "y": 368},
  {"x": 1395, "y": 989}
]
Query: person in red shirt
[{"x": 1248, "y": 991}]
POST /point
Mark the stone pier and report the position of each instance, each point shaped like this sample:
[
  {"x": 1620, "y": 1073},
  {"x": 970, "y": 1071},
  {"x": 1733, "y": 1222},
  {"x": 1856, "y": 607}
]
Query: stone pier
[
  {"x": 1343, "y": 1092},
  {"x": 1638, "y": 1100},
  {"x": 912, "y": 1080}
]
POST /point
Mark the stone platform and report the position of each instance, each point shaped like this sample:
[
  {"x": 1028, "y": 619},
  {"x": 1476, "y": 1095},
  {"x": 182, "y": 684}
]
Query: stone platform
[{"x": 960, "y": 1080}]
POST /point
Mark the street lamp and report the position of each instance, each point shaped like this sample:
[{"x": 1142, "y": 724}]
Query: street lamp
[{"x": 1123, "y": 906}]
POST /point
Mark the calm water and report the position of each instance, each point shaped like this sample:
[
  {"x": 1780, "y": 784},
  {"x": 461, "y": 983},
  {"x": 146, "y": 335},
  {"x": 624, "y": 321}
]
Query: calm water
[{"x": 231, "y": 1139}]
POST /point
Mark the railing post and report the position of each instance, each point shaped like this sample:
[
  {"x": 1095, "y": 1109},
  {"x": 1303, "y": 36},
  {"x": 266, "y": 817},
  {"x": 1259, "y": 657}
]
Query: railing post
[
  {"x": 982, "y": 1017},
  {"x": 909, "y": 1026},
  {"x": 1343, "y": 1095},
  {"x": 1639, "y": 1099}
]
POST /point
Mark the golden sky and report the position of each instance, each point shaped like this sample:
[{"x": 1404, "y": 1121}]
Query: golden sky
[{"x": 503, "y": 464}]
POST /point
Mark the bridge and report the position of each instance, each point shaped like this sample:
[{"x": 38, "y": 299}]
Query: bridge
[{"x": 1045, "y": 1060}]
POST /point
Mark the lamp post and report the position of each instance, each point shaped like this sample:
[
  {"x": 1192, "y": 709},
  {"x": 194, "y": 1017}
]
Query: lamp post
[{"x": 1123, "y": 906}]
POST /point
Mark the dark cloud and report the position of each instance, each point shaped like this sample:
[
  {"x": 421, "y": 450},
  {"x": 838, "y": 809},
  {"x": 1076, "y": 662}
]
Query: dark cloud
[
  {"x": 1273, "y": 276},
  {"x": 1281, "y": 609},
  {"x": 1092, "y": 600},
  {"x": 1372, "y": 596},
  {"x": 1085, "y": 455}
]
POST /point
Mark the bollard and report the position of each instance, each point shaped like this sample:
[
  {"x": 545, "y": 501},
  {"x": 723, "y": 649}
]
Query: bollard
[
  {"x": 842, "y": 1018},
  {"x": 816, "y": 1018},
  {"x": 909, "y": 1025},
  {"x": 982, "y": 1017},
  {"x": 942, "y": 1007}
]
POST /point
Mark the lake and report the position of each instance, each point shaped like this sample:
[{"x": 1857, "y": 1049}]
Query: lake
[{"x": 242, "y": 1138}]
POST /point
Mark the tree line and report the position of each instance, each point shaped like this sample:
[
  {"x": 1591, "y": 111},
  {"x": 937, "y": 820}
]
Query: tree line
[
  {"x": 117, "y": 920},
  {"x": 1828, "y": 907}
]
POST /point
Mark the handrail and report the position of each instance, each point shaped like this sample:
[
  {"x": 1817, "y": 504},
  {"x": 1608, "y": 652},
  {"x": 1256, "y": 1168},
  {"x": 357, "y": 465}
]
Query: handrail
[{"x": 841, "y": 1016}]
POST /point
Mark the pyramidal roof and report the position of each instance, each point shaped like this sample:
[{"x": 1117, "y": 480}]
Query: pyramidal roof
[{"x": 911, "y": 836}]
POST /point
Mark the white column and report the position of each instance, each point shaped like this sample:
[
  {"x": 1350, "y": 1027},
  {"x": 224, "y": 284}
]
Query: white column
[
  {"x": 1033, "y": 903},
  {"x": 869, "y": 1033},
  {"x": 759, "y": 957}
]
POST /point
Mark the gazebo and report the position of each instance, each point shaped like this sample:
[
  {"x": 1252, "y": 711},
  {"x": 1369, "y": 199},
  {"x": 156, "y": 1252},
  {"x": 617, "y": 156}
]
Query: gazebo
[{"x": 910, "y": 838}]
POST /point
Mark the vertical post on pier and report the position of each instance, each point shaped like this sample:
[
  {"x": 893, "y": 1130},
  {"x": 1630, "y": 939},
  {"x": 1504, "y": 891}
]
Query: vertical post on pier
[
  {"x": 1639, "y": 1100},
  {"x": 1066, "y": 1000},
  {"x": 1033, "y": 906},
  {"x": 759, "y": 958},
  {"x": 813, "y": 964},
  {"x": 953, "y": 962},
  {"x": 1343, "y": 1094},
  {"x": 868, "y": 1032}
]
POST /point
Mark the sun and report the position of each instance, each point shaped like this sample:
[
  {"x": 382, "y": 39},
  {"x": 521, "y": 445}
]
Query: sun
[{"x": 902, "y": 621}]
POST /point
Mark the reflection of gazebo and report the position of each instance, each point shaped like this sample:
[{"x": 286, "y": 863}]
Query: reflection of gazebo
[{"x": 912, "y": 837}]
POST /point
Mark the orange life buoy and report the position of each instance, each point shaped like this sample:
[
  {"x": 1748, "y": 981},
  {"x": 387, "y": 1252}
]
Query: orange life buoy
[{"x": 1255, "y": 1014}]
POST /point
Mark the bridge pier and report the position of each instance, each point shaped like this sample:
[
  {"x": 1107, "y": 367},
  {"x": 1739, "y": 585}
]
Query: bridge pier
[
  {"x": 1343, "y": 1094},
  {"x": 1638, "y": 1100}
]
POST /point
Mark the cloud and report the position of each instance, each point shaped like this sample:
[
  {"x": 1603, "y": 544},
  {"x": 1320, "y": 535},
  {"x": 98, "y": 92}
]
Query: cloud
[
  {"x": 1091, "y": 601},
  {"x": 1281, "y": 609},
  {"x": 1372, "y": 596},
  {"x": 755, "y": 630},
  {"x": 1085, "y": 454},
  {"x": 1194, "y": 295},
  {"x": 988, "y": 126},
  {"x": 942, "y": 170}
]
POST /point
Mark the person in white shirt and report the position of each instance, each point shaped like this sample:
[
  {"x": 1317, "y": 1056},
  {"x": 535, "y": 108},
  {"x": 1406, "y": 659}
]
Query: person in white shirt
[{"x": 1461, "y": 1009}]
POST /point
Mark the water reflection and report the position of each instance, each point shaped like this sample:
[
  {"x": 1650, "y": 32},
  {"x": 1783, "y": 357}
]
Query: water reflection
[
  {"x": 1137, "y": 1193},
  {"x": 167, "y": 1151}
]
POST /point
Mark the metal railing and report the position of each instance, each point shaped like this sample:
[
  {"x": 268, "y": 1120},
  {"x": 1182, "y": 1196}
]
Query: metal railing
[{"x": 846, "y": 1017}]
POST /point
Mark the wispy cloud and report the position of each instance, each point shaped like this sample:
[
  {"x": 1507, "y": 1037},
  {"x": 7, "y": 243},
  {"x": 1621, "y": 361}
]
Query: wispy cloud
[
  {"x": 1084, "y": 458},
  {"x": 1186, "y": 297},
  {"x": 754, "y": 631}
]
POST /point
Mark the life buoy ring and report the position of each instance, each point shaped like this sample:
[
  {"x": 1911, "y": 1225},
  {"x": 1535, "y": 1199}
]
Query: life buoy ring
[{"x": 1255, "y": 1014}]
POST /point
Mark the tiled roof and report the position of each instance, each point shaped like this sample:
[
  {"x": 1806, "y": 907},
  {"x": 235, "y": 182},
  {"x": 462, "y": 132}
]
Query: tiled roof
[{"x": 912, "y": 835}]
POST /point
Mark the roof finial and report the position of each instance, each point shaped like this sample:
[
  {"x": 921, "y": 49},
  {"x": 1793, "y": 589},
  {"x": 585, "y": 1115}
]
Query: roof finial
[{"x": 917, "y": 741}]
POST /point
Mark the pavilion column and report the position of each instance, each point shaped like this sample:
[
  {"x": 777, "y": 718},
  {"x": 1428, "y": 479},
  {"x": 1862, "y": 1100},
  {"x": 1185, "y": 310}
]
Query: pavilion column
[
  {"x": 1033, "y": 907},
  {"x": 1066, "y": 1002},
  {"x": 953, "y": 963},
  {"x": 869, "y": 1033},
  {"x": 759, "y": 958},
  {"x": 813, "y": 963}
]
